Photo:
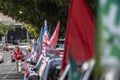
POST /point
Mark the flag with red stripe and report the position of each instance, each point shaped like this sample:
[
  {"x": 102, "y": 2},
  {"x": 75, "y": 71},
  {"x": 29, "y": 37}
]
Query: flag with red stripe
[{"x": 44, "y": 41}]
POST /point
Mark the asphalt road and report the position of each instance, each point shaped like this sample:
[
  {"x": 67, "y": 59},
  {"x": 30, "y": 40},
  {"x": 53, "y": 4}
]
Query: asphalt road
[{"x": 8, "y": 69}]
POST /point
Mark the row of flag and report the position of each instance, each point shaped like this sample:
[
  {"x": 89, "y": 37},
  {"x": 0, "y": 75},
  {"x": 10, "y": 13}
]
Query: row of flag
[
  {"x": 40, "y": 44},
  {"x": 38, "y": 52},
  {"x": 79, "y": 39},
  {"x": 85, "y": 41}
]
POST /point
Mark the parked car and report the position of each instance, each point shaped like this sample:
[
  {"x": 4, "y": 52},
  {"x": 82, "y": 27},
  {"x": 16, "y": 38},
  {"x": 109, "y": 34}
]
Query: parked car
[
  {"x": 1, "y": 45},
  {"x": 24, "y": 45},
  {"x": 52, "y": 69},
  {"x": 1, "y": 57},
  {"x": 23, "y": 56},
  {"x": 11, "y": 46}
]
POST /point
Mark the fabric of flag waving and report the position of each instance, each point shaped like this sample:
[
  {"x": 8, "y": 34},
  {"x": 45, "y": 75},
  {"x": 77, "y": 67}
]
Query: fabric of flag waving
[
  {"x": 108, "y": 54},
  {"x": 54, "y": 38},
  {"x": 34, "y": 46},
  {"x": 74, "y": 74},
  {"x": 34, "y": 52},
  {"x": 44, "y": 41},
  {"x": 39, "y": 41},
  {"x": 80, "y": 32},
  {"x": 40, "y": 47},
  {"x": 110, "y": 22},
  {"x": 51, "y": 50}
]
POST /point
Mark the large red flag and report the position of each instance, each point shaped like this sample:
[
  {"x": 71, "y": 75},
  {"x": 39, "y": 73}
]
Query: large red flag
[
  {"x": 80, "y": 33},
  {"x": 54, "y": 37}
]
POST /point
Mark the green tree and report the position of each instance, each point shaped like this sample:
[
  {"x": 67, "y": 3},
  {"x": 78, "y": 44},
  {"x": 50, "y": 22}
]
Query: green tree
[
  {"x": 5, "y": 28},
  {"x": 31, "y": 30},
  {"x": 34, "y": 12}
]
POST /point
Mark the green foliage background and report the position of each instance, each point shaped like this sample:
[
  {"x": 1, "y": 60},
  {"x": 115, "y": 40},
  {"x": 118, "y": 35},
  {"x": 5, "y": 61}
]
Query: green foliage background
[{"x": 34, "y": 12}]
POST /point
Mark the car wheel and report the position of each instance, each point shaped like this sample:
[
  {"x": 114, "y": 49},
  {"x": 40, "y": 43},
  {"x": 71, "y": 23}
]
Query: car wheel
[
  {"x": 2, "y": 61},
  {"x": 13, "y": 60},
  {"x": 23, "y": 60}
]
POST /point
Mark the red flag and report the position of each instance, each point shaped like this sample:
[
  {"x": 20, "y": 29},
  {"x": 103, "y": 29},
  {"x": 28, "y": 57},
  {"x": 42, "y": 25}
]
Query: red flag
[
  {"x": 80, "y": 33},
  {"x": 54, "y": 37}
]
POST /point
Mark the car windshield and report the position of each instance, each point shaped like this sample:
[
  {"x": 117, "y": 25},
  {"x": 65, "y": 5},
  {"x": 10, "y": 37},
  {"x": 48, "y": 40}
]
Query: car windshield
[
  {"x": 10, "y": 44},
  {"x": 22, "y": 44}
]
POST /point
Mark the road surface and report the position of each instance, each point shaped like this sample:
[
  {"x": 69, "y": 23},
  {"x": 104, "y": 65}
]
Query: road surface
[{"x": 8, "y": 69}]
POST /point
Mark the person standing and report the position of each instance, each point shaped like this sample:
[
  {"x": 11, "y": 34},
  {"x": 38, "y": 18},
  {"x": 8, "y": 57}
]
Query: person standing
[{"x": 18, "y": 57}]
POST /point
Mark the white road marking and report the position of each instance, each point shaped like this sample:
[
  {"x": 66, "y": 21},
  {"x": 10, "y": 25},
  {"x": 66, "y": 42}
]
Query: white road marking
[
  {"x": 8, "y": 61},
  {"x": 9, "y": 73}
]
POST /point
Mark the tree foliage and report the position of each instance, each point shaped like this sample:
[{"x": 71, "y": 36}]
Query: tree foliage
[
  {"x": 5, "y": 28},
  {"x": 31, "y": 30},
  {"x": 34, "y": 12}
]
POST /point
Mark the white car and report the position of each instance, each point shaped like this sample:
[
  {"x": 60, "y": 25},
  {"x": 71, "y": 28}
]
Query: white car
[
  {"x": 11, "y": 46},
  {"x": 1, "y": 57},
  {"x": 1, "y": 45},
  {"x": 24, "y": 45}
]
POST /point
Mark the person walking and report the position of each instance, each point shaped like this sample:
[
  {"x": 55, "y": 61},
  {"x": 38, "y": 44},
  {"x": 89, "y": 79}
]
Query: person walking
[{"x": 18, "y": 57}]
